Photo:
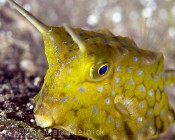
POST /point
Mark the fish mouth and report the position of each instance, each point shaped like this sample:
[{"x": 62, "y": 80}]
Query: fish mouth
[{"x": 43, "y": 116}]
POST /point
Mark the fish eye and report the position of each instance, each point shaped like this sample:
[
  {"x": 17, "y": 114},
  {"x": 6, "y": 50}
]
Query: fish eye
[
  {"x": 99, "y": 71},
  {"x": 103, "y": 69}
]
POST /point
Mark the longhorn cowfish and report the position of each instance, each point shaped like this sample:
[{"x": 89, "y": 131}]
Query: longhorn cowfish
[{"x": 100, "y": 86}]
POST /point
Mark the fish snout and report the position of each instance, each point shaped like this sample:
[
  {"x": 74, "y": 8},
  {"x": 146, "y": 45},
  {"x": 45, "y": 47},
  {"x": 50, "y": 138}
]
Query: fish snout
[{"x": 43, "y": 116}]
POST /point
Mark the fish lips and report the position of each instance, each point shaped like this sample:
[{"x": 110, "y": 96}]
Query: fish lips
[{"x": 43, "y": 116}]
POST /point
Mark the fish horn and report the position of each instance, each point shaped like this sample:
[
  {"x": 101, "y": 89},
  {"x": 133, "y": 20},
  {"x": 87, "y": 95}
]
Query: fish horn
[
  {"x": 38, "y": 24},
  {"x": 76, "y": 38}
]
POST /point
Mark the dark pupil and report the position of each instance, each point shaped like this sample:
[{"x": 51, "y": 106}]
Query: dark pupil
[{"x": 103, "y": 70}]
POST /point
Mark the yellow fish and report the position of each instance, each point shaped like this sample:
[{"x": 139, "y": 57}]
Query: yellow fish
[{"x": 101, "y": 86}]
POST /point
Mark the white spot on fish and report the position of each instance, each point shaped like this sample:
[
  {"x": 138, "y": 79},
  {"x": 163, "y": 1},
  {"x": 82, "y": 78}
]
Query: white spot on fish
[
  {"x": 150, "y": 92},
  {"x": 56, "y": 73},
  {"x": 65, "y": 43},
  {"x": 67, "y": 63},
  {"x": 50, "y": 97},
  {"x": 54, "y": 109},
  {"x": 140, "y": 119},
  {"x": 52, "y": 65},
  {"x": 127, "y": 102},
  {"x": 117, "y": 80},
  {"x": 113, "y": 93},
  {"x": 118, "y": 69},
  {"x": 56, "y": 47},
  {"x": 100, "y": 89},
  {"x": 50, "y": 31},
  {"x": 56, "y": 55},
  {"x": 52, "y": 39},
  {"x": 72, "y": 57},
  {"x": 55, "y": 99},
  {"x": 60, "y": 69}
]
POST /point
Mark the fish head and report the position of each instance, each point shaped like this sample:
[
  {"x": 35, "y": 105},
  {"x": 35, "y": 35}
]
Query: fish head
[{"x": 78, "y": 91}]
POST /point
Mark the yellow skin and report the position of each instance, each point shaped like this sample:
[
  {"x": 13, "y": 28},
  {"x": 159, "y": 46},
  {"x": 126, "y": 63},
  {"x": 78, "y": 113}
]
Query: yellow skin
[{"x": 128, "y": 101}]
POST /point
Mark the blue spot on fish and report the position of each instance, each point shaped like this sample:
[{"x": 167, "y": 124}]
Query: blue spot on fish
[
  {"x": 117, "y": 124},
  {"x": 81, "y": 89},
  {"x": 55, "y": 109},
  {"x": 100, "y": 89},
  {"x": 70, "y": 50},
  {"x": 131, "y": 82},
  {"x": 140, "y": 72},
  {"x": 64, "y": 99},
  {"x": 110, "y": 119},
  {"x": 156, "y": 78},
  {"x": 118, "y": 69},
  {"x": 162, "y": 112},
  {"x": 129, "y": 70},
  {"x": 141, "y": 104},
  {"x": 142, "y": 88},
  {"x": 113, "y": 93},
  {"x": 74, "y": 98},
  {"x": 135, "y": 59},
  {"x": 94, "y": 109},
  {"x": 107, "y": 101},
  {"x": 149, "y": 113},
  {"x": 117, "y": 80}
]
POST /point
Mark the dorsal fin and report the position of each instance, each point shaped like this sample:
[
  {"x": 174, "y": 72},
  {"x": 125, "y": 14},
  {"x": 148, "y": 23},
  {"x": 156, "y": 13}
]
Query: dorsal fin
[
  {"x": 38, "y": 24},
  {"x": 81, "y": 44}
]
